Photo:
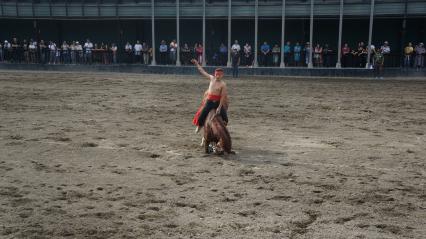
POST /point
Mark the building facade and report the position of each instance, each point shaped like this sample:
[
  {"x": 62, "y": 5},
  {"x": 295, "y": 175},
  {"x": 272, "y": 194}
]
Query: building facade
[{"x": 212, "y": 22}]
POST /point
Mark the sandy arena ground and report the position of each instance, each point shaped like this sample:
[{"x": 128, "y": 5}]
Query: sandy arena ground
[{"x": 115, "y": 156}]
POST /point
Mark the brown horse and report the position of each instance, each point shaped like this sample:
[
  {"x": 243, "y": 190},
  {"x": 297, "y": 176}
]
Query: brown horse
[{"x": 215, "y": 131}]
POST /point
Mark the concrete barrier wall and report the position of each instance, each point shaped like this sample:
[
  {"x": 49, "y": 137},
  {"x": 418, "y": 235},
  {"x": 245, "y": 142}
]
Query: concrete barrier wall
[{"x": 190, "y": 70}]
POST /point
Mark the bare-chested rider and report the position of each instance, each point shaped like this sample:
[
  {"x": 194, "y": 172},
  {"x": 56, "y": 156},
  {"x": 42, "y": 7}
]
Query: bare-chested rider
[{"x": 216, "y": 97}]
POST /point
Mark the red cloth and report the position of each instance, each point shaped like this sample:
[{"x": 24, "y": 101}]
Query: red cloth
[
  {"x": 213, "y": 97},
  {"x": 197, "y": 115}
]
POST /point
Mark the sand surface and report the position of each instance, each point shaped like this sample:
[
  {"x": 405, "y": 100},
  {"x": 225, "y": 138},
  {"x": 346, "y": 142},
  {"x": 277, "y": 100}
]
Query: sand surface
[{"x": 115, "y": 156}]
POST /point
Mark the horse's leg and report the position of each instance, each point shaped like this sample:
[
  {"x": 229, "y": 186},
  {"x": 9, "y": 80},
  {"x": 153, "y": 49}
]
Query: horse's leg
[
  {"x": 203, "y": 141},
  {"x": 206, "y": 146}
]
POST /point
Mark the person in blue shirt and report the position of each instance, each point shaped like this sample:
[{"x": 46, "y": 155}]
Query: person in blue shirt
[
  {"x": 223, "y": 54},
  {"x": 163, "y": 53},
  {"x": 297, "y": 54},
  {"x": 265, "y": 50},
  {"x": 287, "y": 53},
  {"x": 308, "y": 52}
]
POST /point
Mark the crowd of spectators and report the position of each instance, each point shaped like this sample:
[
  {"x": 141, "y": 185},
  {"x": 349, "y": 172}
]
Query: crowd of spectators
[{"x": 296, "y": 54}]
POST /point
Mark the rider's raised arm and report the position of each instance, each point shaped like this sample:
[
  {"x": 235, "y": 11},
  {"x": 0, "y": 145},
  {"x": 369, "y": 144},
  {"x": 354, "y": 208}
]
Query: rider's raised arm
[{"x": 201, "y": 70}]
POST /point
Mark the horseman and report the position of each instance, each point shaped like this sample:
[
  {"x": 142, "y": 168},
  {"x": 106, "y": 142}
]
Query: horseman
[{"x": 216, "y": 97}]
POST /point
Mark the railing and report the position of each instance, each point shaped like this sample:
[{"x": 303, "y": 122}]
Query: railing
[{"x": 100, "y": 56}]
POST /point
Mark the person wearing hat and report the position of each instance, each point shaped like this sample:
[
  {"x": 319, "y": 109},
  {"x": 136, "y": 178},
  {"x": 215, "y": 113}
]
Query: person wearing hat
[{"x": 420, "y": 55}]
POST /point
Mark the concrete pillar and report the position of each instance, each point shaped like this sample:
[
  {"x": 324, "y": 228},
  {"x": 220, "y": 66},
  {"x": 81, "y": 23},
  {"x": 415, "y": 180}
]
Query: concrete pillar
[
  {"x": 339, "y": 45},
  {"x": 282, "y": 65},
  {"x": 370, "y": 34},
  {"x": 311, "y": 35},
  {"x": 256, "y": 29},
  {"x": 229, "y": 33},
  {"x": 153, "y": 63},
  {"x": 177, "y": 33},
  {"x": 204, "y": 33}
]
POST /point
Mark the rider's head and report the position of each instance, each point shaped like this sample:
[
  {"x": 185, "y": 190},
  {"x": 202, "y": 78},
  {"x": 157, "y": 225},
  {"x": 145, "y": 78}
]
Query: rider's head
[{"x": 218, "y": 73}]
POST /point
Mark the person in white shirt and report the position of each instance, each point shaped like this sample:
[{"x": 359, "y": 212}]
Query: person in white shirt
[
  {"x": 88, "y": 47},
  {"x": 129, "y": 52},
  {"x": 114, "y": 53},
  {"x": 80, "y": 55},
  {"x": 138, "y": 52},
  {"x": 7, "y": 50},
  {"x": 386, "y": 52},
  {"x": 236, "y": 47},
  {"x": 52, "y": 51},
  {"x": 173, "y": 50},
  {"x": 32, "y": 47}
]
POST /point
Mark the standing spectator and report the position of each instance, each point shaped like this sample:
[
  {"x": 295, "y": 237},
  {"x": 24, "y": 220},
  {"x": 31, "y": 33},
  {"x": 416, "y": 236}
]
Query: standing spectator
[
  {"x": 172, "y": 52},
  {"x": 145, "y": 53},
  {"x": 287, "y": 53},
  {"x": 318, "y": 55},
  {"x": 129, "y": 52},
  {"x": 163, "y": 52},
  {"x": 80, "y": 54},
  {"x": 186, "y": 54},
  {"x": 385, "y": 49},
  {"x": 57, "y": 55},
  {"x": 215, "y": 59},
  {"x": 73, "y": 52},
  {"x": 361, "y": 54},
  {"x": 32, "y": 47},
  {"x": 88, "y": 47},
  {"x": 105, "y": 54},
  {"x": 1, "y": 53},
  {"x": 420, "y": 55},
  {"x": 236, "y": 46},
  {"x": 223, "y": 54},
  {"x": 199, "y": 53},
  {"x": 265, "y": 50},
  {"x": 65, "y": 53},
  {"x": 247, "y": 59},
  {"x": 96, "y": 54},
  {"x": 25, "y": 50},
  {"x": 297, "y": 54},
  {"x": 7, "y": 49},
  {"x": 408, "y": 53},
  {"x": 114, "y": 53},
  {"x": 43, "y": 51},
  {"x": 276, "y": 55},
  {"x": 308, "y": 52},
  {"x": 378, "y": 64},
  {"x": 326, "y": 52},
  {"x": 346, "y": 51},
  {"x": 138, "y": 52},
  {"x": 235, "y": 62},
  {"x": 52, "y": 52},
  {"x": 15, "y": 50}
]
